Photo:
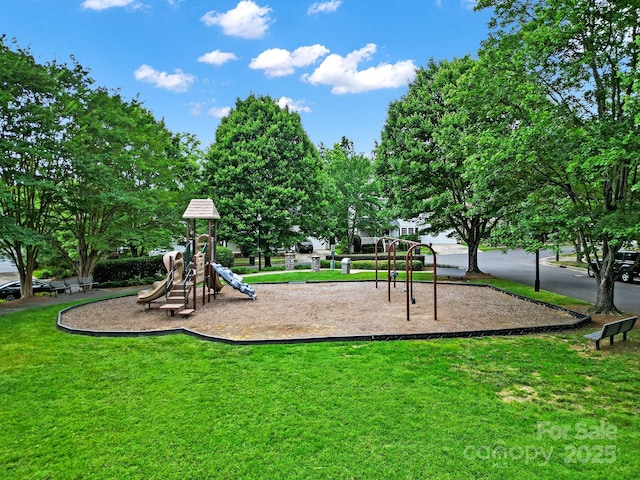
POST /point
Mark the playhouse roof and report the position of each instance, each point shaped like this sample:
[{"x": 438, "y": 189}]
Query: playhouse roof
[{"x": 201, "y": 208}]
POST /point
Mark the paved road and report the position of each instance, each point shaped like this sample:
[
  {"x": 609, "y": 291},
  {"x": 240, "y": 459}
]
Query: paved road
[{"x": 519, "y": 266}]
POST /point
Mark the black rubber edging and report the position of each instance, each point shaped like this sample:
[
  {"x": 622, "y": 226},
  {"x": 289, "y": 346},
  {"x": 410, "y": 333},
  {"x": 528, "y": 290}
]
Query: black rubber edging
[{"x": 581, "y": 321}]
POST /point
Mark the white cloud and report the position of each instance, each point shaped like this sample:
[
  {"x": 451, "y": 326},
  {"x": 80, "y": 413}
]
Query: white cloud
[
  {"x": 324, "y": 7},
  {"x": 104, "y": 4},
  {"x": 219, "y": 112},
  {"x": 277, "y": 62},
  {"x": 343, "y": 75},
  {"x": 217, "y": 57},
  {"x": 247, "y": 20},
  {"x": 294, "y": 105},
  {"x": 174, "y": 82},
  {"x": 196, "y": 108}
]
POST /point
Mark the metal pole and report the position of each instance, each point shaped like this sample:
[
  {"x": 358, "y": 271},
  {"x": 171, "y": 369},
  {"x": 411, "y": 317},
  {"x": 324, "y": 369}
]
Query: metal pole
[
  {"x": 537, "y": 283},
  {"x": 375, "y": 251},
  {"x": 259, "y": 241},
  {"x": 435, "y": 284},
  {"x": 408, "y": 281},
  {"x": 389, "y": 272}
]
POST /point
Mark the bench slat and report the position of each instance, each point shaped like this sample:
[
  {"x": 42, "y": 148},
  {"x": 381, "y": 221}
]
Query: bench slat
[{"x": 611, "y": 329}]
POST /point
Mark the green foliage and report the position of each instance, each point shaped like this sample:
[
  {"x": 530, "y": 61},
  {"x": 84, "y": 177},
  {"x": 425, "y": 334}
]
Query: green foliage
[
  {"x": 383, "y": 264},
  {"x": 428, "y": 142},
  {"x": 125, "y": 269},
  {"x": 33, "y": 117},
  {"x": 83, "y": 171},
  {"x": 572, "y": 86},
  {"x": 263, "y": 165},
  {"x": 125, "y": 186},
  {"x": 353, "y": 195},
  {"x": 225, "y": 256},
  {"x": 43, "y": 273},
  {"x": 243, "y": 270}
]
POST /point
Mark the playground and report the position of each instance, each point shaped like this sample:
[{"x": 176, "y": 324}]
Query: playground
[
  {"x": 191, "y": 299},
  {"x": 325, "y": 311}
]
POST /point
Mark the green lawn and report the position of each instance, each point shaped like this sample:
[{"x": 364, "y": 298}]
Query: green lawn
[{"x": 546, "y": 406}]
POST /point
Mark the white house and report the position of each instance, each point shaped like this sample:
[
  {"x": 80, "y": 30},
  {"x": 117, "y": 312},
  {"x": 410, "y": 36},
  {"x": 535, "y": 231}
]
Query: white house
[{"x": 411, "y": 227}]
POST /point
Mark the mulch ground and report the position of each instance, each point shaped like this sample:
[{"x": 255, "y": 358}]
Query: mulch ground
[{"x": 326, "y": 310}]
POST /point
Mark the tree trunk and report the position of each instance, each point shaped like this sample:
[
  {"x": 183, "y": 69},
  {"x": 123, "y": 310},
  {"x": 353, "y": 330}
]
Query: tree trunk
[
  {"x": 267, "y": 261},
  {"x": 26, "y": 267},
  {"x": 578, "y": 246},
  {"x": 604, "y": 298},
  {"x": 606, "y": 282},
  {"x": 472, "y": 257}
]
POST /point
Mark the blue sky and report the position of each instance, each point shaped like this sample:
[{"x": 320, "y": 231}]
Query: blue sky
[{"x": 338, "y": 63}]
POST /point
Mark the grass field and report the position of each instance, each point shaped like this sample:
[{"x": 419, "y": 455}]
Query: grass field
[{"x": 176, "y": 407}]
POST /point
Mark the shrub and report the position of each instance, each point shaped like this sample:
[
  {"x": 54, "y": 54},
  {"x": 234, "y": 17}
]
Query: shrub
[
  {"x": 242, "y": 270},
  {"x": 43, "y": 273},
  {"x": 382, "y": 265},
  {"x": 369, "y": 247},
  {"x": 125, "y": 269},
  {"x": 225, "y": 256}
]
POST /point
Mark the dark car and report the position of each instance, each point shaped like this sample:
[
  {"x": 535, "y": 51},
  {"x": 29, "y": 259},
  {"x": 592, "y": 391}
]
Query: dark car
[
  {"x": 304, "y": 247},
  {"x": 623, "y": 266},
  {"x": 11, "y": 290}
]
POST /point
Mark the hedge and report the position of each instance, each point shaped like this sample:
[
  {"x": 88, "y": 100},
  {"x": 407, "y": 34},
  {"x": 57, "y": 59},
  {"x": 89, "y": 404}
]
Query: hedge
[
  {"x": 400, "y": 265},
  {"x": 371, "y": 265},
  {"x": 123, "y": 269}
]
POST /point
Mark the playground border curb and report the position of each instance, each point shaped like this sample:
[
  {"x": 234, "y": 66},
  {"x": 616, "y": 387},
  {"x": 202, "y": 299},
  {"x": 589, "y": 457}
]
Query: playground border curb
[{"x": 581, "y": 321}]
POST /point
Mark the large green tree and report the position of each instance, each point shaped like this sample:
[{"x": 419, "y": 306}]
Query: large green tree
[
  {"x": 500, "y": 112},
  {"x": 584, "y": 55},
  {"x": 430, "y": 139},
  {"x": 82, "y": 169},
  {"x": 263, "y": 166},
  {"x": 120, "y": 186},
  {"x": 352, "y": 190},
  {"x": 33, "y": 118}
]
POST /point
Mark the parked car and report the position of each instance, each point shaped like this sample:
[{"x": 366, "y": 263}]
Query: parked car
[
  {"x": 11, "y": 290},
  {"x": 623, "y": 266},
  {"x": 304, "y": 247}
]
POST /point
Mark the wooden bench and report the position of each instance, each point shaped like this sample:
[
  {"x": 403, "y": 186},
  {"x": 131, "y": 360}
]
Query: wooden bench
[
  {"x": 611, "y": 329},
  {"x": 86, "y": 283}
]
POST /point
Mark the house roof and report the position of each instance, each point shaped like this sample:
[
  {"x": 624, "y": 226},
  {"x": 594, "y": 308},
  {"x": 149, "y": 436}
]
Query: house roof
[{"x": 201, "y": 208}]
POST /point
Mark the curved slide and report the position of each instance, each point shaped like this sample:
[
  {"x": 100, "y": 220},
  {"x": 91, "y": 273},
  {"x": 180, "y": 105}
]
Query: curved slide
[
  {"x": 154, "y": 292},
  {"x": 157, "y": 289},
  {"x": 234, "y": 280}
]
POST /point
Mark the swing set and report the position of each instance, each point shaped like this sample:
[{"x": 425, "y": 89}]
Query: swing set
[{"x": 392, "y": 274}]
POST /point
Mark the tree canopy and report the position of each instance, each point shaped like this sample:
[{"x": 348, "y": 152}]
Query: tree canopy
[
  {"x": 352, "y": 192},
  {"x": 583, "y": 54},
  {"x": 263, "y": 166},
  {"x": 430, "y": 139},
  {"x": 79, "y": 166}
]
